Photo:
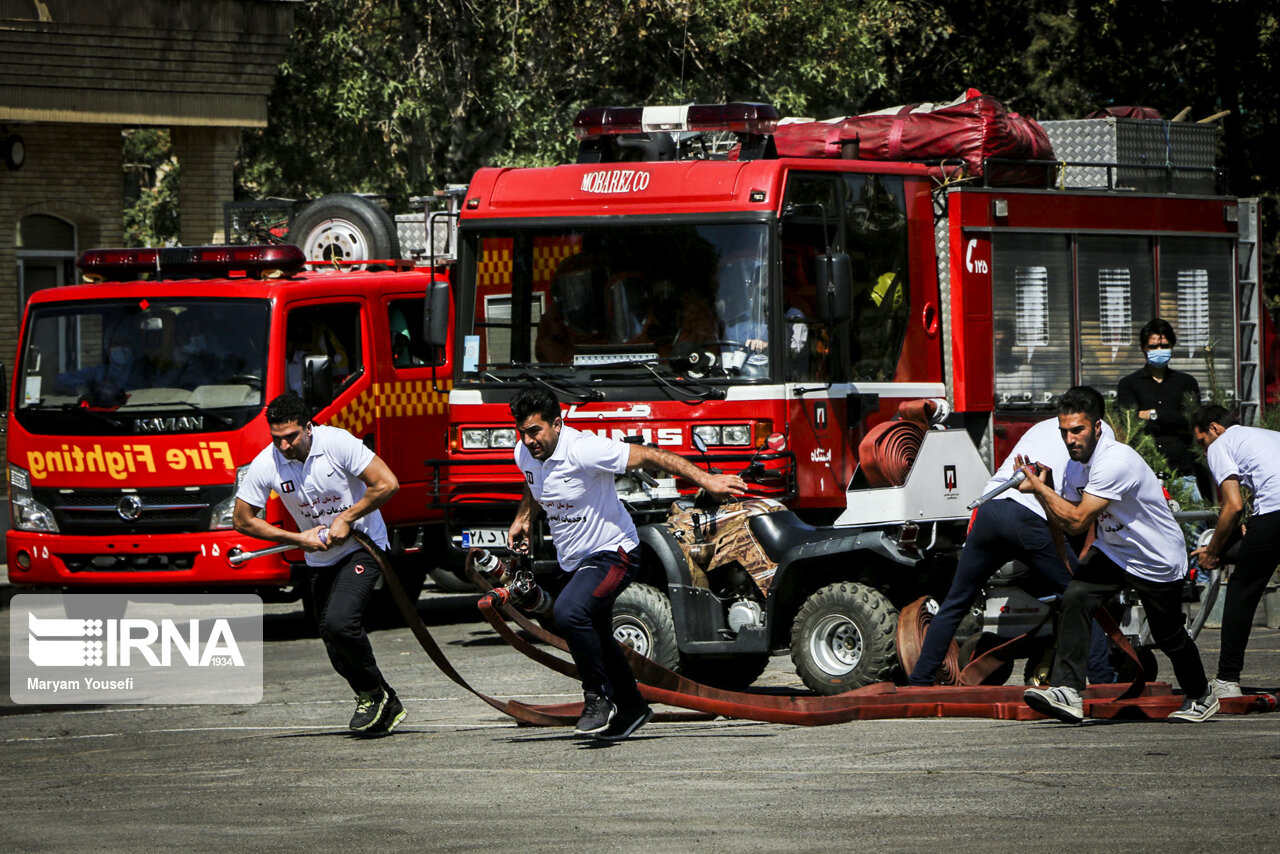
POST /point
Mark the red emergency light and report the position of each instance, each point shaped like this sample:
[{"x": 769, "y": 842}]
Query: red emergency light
[
  {"x": 748, "y": 118},
  {"x": 191, "y": 262}
]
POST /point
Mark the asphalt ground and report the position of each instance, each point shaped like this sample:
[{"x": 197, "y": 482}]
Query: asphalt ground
[{"x": 284, "y": 774}]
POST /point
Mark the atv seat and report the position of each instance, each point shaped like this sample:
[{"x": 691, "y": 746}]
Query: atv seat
[{"x": 779, "y": 532}]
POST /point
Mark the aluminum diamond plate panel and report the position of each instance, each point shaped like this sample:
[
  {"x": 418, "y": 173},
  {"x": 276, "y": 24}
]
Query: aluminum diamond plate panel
[{"x": 1157, "y": 156}]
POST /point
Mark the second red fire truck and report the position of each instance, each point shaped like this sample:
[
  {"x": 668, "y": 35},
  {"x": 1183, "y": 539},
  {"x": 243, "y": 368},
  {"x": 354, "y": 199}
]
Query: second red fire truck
[{"x": 687, "y": 297}]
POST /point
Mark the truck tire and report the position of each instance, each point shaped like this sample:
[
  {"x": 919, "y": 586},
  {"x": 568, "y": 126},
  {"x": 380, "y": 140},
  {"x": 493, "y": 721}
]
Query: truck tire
[
  {"x": 642, "y": 620},
  {"x": 843, "y": 638},
  {"x": 450, "y": 582},
  {"x": 345, "y": 227},
  {"x": 411, "y": 569},
  {"x": 731, "y": 674}
]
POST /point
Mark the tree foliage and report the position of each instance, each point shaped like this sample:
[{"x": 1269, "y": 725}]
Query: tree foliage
[
  {"x": 402, "y": 96},
  {"x": 151, "y": 188}
]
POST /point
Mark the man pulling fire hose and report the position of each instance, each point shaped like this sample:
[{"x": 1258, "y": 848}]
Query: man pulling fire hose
[
  {"x": 1009, "y": 525},
  {"x": 569, "y": 475}
]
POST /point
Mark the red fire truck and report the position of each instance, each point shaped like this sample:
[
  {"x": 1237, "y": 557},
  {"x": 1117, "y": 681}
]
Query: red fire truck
[
  {"x": 138, "y": 403},
  {"x": 671, "y": 290}
]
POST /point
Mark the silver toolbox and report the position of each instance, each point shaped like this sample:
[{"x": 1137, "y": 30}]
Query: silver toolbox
[{"x": 1149, "y": 155}]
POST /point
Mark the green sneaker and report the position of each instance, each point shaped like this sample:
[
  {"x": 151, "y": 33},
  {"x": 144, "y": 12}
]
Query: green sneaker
[
  {"x": 369, "y": 706},
  {"x": 392, "y": 714}
]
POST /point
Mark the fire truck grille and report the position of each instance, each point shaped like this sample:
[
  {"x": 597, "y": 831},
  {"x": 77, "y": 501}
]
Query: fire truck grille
[
  {"x": 129, "y": 563},
  {"x": 93, "y": 512}
]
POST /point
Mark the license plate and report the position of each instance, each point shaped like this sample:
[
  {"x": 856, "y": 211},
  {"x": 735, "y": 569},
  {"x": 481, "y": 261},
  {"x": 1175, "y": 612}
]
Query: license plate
[{"x": 479, "y": 538}]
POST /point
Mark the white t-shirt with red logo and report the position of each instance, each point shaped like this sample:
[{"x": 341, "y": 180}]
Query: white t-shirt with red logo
[
  {"x": 317, "y": 489},
  {"x": 1137, "y": 529},
  {"x": 575, "y": 489}
]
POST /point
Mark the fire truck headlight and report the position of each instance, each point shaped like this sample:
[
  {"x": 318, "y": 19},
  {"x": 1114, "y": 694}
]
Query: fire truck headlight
[
  {"x": 482, "y": 439},
  {"x": 708, "y": 433},
  {"x": 221, "y": 517},
  {"x": 737, "y": 434},
  {"x": 474, "y": 439},
  {"x": 25, "y": 513},
  {"x": 503, "y": 437}
]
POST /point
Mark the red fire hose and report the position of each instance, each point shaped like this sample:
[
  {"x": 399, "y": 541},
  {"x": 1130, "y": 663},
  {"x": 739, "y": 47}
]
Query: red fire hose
[
  {"x": 874, "y": 702},
  {"x": 886, "y": 453}
]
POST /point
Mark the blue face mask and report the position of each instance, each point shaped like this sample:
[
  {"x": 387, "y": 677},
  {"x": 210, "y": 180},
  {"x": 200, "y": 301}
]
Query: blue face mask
[{"x": 1159, "y": 357}]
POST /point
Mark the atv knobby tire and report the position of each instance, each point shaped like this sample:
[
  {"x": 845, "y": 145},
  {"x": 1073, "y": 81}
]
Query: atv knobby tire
[
  {"x": 642, "y": 620},
  {"x": 844, "y": 638}
]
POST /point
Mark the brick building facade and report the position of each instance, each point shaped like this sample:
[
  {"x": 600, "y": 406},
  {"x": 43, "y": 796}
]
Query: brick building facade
[{"x": 77, "y": 73}]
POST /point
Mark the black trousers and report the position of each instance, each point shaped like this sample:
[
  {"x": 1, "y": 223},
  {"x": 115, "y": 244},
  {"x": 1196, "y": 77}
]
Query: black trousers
[
  {"x": 1259, "y": 554},
  {"x": 584, "y": 614},
  {"x": 342, "y": 592},
  {"x": 1096, "y": 580}
]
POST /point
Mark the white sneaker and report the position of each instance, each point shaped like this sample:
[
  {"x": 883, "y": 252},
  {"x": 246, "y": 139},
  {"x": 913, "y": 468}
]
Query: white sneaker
[
  {"x": 1197, "y": 711},
  {"x": 1063, "y": 703},
  {"x": 1222, "y": 688}
]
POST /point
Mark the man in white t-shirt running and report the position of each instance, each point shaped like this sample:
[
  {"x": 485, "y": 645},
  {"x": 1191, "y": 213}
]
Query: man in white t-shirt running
[
  {"x": 569, "y": 476},
  {"x": 1249, "y": 457},
  {"x": 1137, "y": 545},
  {"x": 330, "y": 483}
]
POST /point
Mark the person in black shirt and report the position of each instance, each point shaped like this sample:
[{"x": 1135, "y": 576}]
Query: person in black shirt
[{"x": 1159, "y": 394}]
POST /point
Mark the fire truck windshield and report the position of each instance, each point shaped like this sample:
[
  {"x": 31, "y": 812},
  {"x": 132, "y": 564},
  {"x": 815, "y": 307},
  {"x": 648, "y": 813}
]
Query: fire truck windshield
[
  {"x": 619, "y": 299},
  {"x": 128, "y": 366}
]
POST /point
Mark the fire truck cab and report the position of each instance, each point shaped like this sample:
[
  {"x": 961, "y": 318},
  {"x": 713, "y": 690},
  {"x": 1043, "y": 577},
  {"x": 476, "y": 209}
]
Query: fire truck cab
[
  {"x": 138, "y": 402},
  {"x": 666, "y": 289}
]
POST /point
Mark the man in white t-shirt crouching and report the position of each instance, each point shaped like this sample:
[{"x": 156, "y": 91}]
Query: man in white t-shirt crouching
[
  {"x": 1137, "y": 545},
  {"x": 1249, "y": 457},
  {"x": 569, "y": 476},
  {"x": 329, "y": 482}
]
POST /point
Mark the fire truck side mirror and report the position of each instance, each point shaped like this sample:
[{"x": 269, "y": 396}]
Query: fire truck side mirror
[
  {"x": 835, "y": 286},
  {"x": 435, "y": 322},
  {"x": 4, "y": 388},
  {"x": 317, "y": 381}
]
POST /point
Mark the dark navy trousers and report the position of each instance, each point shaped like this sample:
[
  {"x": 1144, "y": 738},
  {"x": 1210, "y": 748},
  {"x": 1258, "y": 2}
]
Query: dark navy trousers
[{"x": 584, "y": 614}]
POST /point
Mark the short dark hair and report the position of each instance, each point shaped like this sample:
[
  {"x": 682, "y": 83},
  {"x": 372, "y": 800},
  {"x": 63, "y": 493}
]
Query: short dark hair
[
  {"x": 1082, "y": 398},
  {"x": 1156, "y": 326},
  {"x": 1213, "y": 414},
  {"x": 535, "y": 401},
  {"x": 288, "y": 407}
]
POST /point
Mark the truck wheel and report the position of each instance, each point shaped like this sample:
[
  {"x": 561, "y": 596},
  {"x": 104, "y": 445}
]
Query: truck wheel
[
  {"x": 642, "y": 620},
  {"x": 731, "y": 674},
  {"x": 843, "y": 638},
  {"x": 344, "y": 227},
  {"x": 450, "y": 582},
  {"x": 411, "y": 569}
]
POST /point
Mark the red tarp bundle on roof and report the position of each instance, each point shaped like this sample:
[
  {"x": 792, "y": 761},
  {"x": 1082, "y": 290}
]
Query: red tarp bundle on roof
[{"x": 972, "y": 128}]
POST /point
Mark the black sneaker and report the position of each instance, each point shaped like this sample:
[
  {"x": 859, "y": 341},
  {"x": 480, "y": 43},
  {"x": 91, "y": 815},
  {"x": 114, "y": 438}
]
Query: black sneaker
[
  {"x": 392, "y": 714},
  {"x": 626, "y": 723},
  {"x": 597, "y": 712},
  {"x": 369, "y": 706}
]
